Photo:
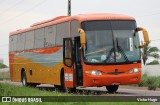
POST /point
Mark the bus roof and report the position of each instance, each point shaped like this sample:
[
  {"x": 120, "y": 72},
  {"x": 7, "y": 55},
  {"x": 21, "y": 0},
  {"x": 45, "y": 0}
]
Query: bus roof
[{"x": 80, "y": 17}]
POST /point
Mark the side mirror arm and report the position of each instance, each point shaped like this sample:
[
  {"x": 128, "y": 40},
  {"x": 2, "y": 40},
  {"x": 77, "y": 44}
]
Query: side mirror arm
[
  {"x": 82, "y": 38},
  {"x": 145, "y": 36}
]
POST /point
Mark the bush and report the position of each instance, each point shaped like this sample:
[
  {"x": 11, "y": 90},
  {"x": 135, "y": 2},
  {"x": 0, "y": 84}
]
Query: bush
[
  {"x": 158, "y": 81},
  {"x": 152, "y": 83},
  {"x": 155, "y": 62},
  {"x": 143, "y": 81}
]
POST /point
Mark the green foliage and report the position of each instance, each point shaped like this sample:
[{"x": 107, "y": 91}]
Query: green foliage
[
  {"x": 3, "y": 66},
  {"x": 81, "y": 103},
  {"x": 143, "y": 82},
  {"x": 152, "y": 83},
  {"x": 150, "y": 52},
  {"x": 158, "y": 79},
  {"x": 154, "y": 62},
  {"x": 4, "y": 75},
  {"x": 10, "y": 90}
]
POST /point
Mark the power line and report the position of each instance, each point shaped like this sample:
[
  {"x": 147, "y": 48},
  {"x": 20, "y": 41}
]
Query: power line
[
  {"x": 10, "y": 8},
  {"x": 35, "y": 6}
]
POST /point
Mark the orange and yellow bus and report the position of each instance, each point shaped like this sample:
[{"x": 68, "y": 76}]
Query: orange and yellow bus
[{"x": 87, "y": 50}]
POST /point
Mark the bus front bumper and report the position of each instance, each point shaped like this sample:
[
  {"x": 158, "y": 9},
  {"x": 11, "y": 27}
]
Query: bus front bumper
[{"x": 105, "y": 80}]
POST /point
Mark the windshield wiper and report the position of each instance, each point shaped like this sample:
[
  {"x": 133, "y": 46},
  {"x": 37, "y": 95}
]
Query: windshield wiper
[
  {"x": 121, "y": 50},
  {"x": 109, "y": 55}
]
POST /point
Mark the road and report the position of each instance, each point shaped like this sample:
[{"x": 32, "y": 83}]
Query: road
[{"x": 122, "y": 91}]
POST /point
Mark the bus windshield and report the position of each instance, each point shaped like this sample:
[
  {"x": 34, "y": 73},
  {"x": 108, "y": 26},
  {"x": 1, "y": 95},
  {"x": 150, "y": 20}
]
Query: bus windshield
[{"x": 113, "y": 41}]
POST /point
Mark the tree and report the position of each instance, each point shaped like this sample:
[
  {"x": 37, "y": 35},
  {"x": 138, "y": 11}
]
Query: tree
[
  {"x": 3, "y": 66},
  {"x": 154, "y": 62},
  {"x": 149, "y": 52}
]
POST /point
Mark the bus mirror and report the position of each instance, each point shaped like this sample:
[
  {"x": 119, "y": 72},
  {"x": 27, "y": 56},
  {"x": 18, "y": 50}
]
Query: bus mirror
[
  {"x": 82, "y": 37},
  {"x": 145, "y": 36}
]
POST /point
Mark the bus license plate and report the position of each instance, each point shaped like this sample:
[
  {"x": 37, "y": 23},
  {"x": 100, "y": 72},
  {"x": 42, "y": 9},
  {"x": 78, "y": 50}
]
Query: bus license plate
[{"x": 115, "y": 83}]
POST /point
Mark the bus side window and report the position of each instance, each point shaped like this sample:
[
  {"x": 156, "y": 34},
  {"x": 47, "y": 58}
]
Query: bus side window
[
  {"x": 74, "y": 28},
  {"x": 29, "y": 43},
  {"x": 39, "y": 38},
  {"x": 62, "y": 32},
  {"x": 20, "y": 41},
  {"x": 50, "y": 35},
  {"x": 12, "y": 43},
  {"x": 68, "y": 52}
]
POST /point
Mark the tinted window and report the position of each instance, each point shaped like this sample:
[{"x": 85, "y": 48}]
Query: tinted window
[
  {"x": 29, "y": 40},
  {"x": 108, "y": 25},
  {"x": 20, "y": 41},
  {"x": 62, "y": 32},
  {"x": 39, "y": 38},
  {"x": 12, "y": 43},
  {"x": 96, "y": 25},
  {"x": 74, "y": 28},
  {"x": 50, "y": 34},
  {"x": 123, "y": 25}
]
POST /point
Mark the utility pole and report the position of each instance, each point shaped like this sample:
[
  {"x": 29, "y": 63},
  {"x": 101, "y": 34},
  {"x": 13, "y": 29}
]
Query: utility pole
[{"x": 69, "y": 7}]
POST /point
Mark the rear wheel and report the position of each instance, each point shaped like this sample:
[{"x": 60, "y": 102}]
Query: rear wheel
[
  {"x": 112, "y": 88},
  {"x": 32, "y": 84},
  {"x": 24, "y": 79},
  {"x": 61, "y": 87}
]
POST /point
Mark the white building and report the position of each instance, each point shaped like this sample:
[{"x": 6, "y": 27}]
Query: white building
[{"x": 151, "y": 70}]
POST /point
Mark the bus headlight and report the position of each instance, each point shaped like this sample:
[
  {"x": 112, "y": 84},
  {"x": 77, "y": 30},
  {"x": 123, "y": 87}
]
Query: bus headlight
[
  {"x": 134, "y": 70},
  {"x": 94, "y": 72}
]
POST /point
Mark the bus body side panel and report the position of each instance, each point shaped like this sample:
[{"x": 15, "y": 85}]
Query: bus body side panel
[
  {"x": 109, "y": 75},
  {"x": 41, "y": 65},
  {"x": 11, "y": 56},
  {"x": 69, "y": 79}
]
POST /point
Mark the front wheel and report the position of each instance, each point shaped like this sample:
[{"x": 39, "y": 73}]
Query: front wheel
[
  {"x": 71, "y": 90},
  {"x": 112, "y": 88}
]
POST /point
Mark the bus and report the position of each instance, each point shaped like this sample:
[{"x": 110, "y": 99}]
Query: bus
[{"x": 86, "y": 50}]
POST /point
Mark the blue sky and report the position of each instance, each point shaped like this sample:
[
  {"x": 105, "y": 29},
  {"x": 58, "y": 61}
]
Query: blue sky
[{"x": 17, "y": 14}]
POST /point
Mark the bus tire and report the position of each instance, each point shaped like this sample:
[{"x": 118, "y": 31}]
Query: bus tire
[
  {"x": 71, "y": 90},
  {"x": 61, "y": 87},
  {"x": 24, "y": 79},
  {"x": 112, "y": 88},
  {"x": 32, "y": 84}
]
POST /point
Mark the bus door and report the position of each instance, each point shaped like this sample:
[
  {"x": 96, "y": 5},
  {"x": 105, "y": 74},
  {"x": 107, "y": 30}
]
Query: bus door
[
  {"x": 68, "y": 62},
  {"x": 78, "y": 62},
  {"x": 73, "y": 75}
]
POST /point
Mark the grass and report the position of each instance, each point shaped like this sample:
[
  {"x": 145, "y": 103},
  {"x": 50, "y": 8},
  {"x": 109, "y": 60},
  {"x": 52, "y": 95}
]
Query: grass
[
  {"x": 151, "y": 82},
  {"x": 11, "y": 90},
  {"x": 80, "y": 103}
]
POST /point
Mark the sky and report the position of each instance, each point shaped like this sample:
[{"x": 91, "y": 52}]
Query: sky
[{"x": 19, "y": 14}]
